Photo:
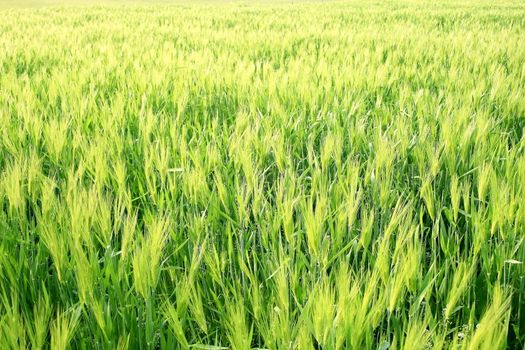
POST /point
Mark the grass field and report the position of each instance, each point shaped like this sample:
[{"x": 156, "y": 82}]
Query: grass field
[{"x": 236, "y": 175}]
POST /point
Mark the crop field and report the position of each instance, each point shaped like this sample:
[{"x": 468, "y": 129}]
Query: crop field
[{"x": 269, "y": 175}]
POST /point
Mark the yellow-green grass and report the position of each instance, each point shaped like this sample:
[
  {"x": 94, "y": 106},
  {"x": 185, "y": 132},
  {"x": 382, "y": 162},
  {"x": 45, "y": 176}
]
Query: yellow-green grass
[{"x": 280, "y": 175}]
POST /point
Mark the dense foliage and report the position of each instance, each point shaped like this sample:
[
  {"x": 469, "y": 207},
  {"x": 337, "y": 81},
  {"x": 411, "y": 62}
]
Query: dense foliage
[{"x": 324, "y": 175}]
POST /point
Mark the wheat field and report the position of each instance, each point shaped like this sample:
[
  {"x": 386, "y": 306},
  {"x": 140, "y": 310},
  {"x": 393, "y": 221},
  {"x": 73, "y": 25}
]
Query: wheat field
[{"x": 262, "y": 175}]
